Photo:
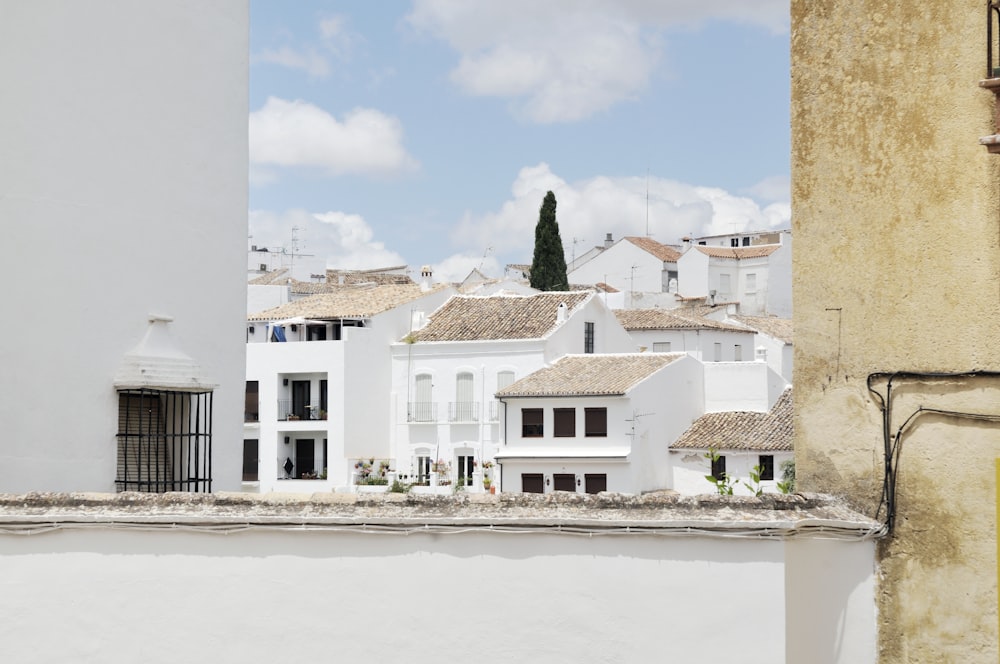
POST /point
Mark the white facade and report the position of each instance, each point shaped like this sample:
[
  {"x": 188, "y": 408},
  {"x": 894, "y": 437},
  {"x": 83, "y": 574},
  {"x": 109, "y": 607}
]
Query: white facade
[
  {"x": 344, "y": 384},
  {"x": 457, "y": 380},
  {"x": 747, "y": 280},
  {"x": 707, "y": 345},
  {"x": 631, "y": 455},
  {"x": 689, "y": 469},
  {"x": 124, "y": 172},
  {"x": 627, "y": 267}
]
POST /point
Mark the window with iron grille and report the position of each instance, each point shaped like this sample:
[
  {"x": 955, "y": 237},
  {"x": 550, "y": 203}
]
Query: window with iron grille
[
  {"x": 588, "y": 337},
  {"x": 164, "y": 441}
]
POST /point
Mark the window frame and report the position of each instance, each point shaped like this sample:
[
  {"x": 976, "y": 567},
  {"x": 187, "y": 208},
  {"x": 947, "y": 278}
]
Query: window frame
[
  {"x": 532, "y": 432},
  {"x": 564, "y": 426},
  {"x": 588, "y": 337},
  {"x": 592, "y": 418},
  {"x": 766, "y": 463}
]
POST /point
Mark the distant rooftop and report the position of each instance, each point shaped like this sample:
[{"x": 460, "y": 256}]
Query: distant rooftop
[
  {"x": 743, "y": 430},
  {"x": 501, "y": 316},
  {"x": 662, "y": 251},
  {"x": 669, "y": 319},
  {"x": 590, "y": 375},
  {"x": 779, "y": 328},
  {"x": 739, "y": 253},
  {"x": 348, "y": 302}
]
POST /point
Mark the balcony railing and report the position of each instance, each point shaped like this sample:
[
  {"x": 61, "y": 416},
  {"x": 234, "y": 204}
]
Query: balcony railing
[
  {"x": 494, "y": 411},
  {"x": 290, "y": 410},
  {"x": 421, "y": 411},
  {"x": 463, "y": 411}
]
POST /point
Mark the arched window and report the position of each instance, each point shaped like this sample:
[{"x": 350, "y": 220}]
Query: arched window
[
  {"x": 465, "y": 404},
  {"x": 422, "y": 407}
]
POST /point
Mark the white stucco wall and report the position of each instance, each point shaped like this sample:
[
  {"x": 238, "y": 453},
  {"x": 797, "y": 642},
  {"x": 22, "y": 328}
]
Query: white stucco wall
[
  {"x": 614, "y": 266},
  {"x": 699, "y": 344},
  {"x": 123, "y": 186},
  {"x": 688, "y": 469},
  {"x": 779, "y": 289},
  {"x": 750, "y": 386},
  {"x": 128, "y": 595}
]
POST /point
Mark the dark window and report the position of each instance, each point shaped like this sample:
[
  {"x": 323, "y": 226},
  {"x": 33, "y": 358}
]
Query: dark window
[
  {"x": 734, "y": 242},
  {"x": 423, "y": 468},
  {"x": 531, "y": 423},
  {"x": 593, "y": 483},
  {"x": 164, "y": 441},
  {"x": 316, "y": 332},
  {"x": 766, "y": 463},
  {"x": 323, "y": 407},
  {"x": 300, "y": 398},
  {"x": 564, "y": 422},
  {"x": 746, "y": 242},
  {"x": 596, "y": 422},
  {"x": 532, "y": 483},
  {"x": 588, "y": 337},
  {"x": 250, "y": 459},
  {"x": 719, "y": 468},
  {"x": 563, "y": 482},
  {"x": 251, "y": 410}
]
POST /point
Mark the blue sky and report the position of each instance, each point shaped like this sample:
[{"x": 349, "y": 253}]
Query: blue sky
[{"x": 428, "y": 131}]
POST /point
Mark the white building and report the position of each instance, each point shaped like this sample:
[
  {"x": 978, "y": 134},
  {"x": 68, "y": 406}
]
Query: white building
[
  {"x": 592, "y": 423},
  {"x": 671, "y": 331},
  {"x": 742, "y": 439},
  {"x": 774, "y": 338},
  {"x": 124, "y": 170},
  {"x": 736, "y": 274},
  {"x": 445, "y": 375},
  {"x": 318, "y": 383},
  {"x": 632, "y": 265}
]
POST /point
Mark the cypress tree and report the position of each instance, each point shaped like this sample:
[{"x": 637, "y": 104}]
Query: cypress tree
[{"x": 548, "y": 266}]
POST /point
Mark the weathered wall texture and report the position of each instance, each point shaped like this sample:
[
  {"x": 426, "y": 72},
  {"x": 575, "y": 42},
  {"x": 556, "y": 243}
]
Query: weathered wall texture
[{"x": 896, "y": 264}]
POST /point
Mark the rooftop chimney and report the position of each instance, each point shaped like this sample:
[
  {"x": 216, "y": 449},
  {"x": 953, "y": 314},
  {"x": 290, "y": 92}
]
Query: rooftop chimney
[
  {"x": 561, "y": 313},
  {"x": 608, "y": 241},
  {"x": 425, "y": 277}
]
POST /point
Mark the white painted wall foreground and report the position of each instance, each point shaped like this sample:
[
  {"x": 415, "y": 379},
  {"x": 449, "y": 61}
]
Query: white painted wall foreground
[{"x": 556, "y": 580}]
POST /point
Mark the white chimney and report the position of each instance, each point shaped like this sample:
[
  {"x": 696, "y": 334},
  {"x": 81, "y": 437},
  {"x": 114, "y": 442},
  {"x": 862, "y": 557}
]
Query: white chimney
[
  {"x": 561, "y": 313},
  {"x": 425, "y": 278},
  {"x": 608, "y": 241}
]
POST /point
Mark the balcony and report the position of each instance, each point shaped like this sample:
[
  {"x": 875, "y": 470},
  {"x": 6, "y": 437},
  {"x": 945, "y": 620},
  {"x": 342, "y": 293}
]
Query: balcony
[
  {"x": 494, "y": 411},
  {"x": 463, "y": 411},
  {"x": 421, "y": 411},
  {"x": 290, "y": 410}
]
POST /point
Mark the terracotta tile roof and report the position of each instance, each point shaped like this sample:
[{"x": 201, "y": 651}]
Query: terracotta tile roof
[
  {"x": 590, "y": 375},
  {"x": 668, "y": 319},
  {"x": 348, "y": 302},
  {"x": 739, "y": 253},
  {"x": 606, "y": 288},
  {"x": 500, "y": 316},
  {"x": 382, "y": 275},
  {"x": 277, "y": 277},
  {"x": 742, "y": 430},
  {"x": 772, "y": 326},
  {"x": 662, "y": 251}
]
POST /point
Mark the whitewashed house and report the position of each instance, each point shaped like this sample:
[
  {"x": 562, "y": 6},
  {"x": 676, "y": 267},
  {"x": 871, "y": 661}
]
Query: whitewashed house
[
  {"x": 123, "y": 136},
  {"x": 742, "y": 439},
  {"x": 317, "y": 383},
  {"x": 633, "y": 265},
  {"x": 678, "y": 330},
  {"x": 445, "y": 374},
  {"x": 773, "y": 337},
  {"x": 591, "y": 423},
  {"x": 735, "y": 274}
]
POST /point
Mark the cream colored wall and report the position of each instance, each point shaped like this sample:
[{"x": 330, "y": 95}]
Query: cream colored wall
[{"x": 896, "y": 265}]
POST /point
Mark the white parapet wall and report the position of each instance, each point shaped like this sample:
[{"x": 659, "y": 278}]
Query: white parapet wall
[{"x": 394, "y": 577}]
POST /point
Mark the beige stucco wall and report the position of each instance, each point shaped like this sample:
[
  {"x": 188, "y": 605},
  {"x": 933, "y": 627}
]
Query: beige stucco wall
[{"x": 896, "y": 222}]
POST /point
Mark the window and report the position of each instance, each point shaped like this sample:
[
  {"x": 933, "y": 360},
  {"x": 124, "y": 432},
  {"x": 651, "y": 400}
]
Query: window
[
  {"x": 751, "y": 283},
  {"x": 465, "y": 406},
  {"x": 251, "y": 408},
  {"x": 596, "y": 422},
  {"x": 725, "y": 286},
  {"x": 532, "y": 483},
  {"x": 466, "y": 464},
  {"x": 738, "y": 353},
  {"x": 734, "y": 242},
  {"x": 531, "y": 423},
  {"x": 719, "y": 468},
  {"x": 301, "y": 398},
  {"x": 588, "y": 337},
  {"x": 422, "y": 407},
  {"x": 766, "y": 463},
  {"x": 316, "y": 332},
  {"x": 564, "y": 422},
  {"x": 323, "y": 398},
  {"x": 250, "y": 459},
  {"x": 661, "y": 346},
  {"x": 595, "y": 483},
  {"x": 305, "y": 459},
  {"x": 718, "y": 352},
  {"x": 164, "y": 441},
  {"x": 746, "y": 242},
  {"x": 564, "y": 482},
  {"x": 504, "y": 379}
]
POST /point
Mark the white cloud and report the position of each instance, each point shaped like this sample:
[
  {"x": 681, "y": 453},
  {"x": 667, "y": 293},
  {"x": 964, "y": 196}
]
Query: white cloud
[
  {"x": 774, "y": 188},
  {"x": 563, "y": 60},
  {"x": 589, "y": 209},
  {"x": 330, "y": 239},
  {"x": 308, "y": 60},
  {"x": 296, "y": 133}
]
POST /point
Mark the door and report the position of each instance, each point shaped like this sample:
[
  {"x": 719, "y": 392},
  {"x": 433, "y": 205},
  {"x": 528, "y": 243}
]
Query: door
[
  {"x": 466, "y": 464},
  {"x": 305, "y": 456},
  {"x": 300, "y": 398}
]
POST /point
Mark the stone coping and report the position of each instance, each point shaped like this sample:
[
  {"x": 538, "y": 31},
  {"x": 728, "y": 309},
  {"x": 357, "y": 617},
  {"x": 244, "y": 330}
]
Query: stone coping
[{"x": 774, "y": 515}]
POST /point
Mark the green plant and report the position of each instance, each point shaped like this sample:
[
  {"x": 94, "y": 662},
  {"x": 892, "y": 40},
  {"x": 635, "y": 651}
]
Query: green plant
[
  {"x": 322, "y": 475},
  {"x": 723, "y": 484},
  {"x": 787, "y": 483},
  {"x": 373, "y": 480},
  {"x": 754, "y": 483},
  {"x": 399, "y": 487}
]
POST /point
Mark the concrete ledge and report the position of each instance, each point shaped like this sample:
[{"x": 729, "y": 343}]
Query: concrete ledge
[{"x": 773, "y": 515}]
